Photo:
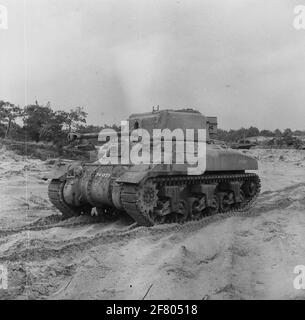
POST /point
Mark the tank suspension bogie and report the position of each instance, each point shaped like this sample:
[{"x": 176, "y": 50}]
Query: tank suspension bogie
[{"x": 180, "y": 199}]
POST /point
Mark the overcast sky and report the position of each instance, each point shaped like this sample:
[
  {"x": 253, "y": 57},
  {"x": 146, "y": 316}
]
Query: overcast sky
[{"x": 240, "y": 60}]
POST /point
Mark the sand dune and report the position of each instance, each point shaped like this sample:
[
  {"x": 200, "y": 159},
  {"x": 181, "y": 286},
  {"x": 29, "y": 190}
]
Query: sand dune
[{"x": 243, "y": 256}]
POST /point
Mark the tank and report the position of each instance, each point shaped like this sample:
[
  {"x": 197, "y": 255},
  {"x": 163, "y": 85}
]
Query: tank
[{"x": 159, "y": 192}]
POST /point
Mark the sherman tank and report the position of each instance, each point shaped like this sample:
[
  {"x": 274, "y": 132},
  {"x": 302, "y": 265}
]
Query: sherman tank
[{"x": 158, "y": 192}]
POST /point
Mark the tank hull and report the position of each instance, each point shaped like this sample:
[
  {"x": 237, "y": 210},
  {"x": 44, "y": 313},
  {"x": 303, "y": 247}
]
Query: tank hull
[
  {"x": 223, "y": 185},
  {"x": 165, "y": 192}
]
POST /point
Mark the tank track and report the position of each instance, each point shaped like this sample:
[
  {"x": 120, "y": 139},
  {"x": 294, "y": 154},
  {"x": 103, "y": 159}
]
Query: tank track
[
  {"x": 129, "y": 192},
  {"x": 55, "y": 192}
]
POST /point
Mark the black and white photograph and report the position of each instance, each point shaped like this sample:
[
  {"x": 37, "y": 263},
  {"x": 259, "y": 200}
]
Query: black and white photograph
[{"x": 152, "y": 150}]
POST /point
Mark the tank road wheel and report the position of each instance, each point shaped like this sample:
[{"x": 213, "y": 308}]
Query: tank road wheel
[
  {"x": 226, "y": 199},
  {"x": 182, "y": 213},
  {"x": 163, "y": 212},
  {"x": 197, "y": 207},
  {"x": 242, "y": 196},
  {"x": 213, "y": 208},
  {"x": 243, "y": 200},
  {"x": 158, "y": 216},
  {"x": 250, "y": 188},
  {"x": 166, "y": 215}
]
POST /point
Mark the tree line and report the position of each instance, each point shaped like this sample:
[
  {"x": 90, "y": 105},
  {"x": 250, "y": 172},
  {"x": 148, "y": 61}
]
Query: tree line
[
  {"x": 37, "y": 122},
  {"x": 244, "y": 133}
]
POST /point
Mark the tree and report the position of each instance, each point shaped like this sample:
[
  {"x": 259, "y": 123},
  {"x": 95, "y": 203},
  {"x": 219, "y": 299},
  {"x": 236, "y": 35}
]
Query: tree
[
  {"x": 35, "y": 118},
  {"x": 287, "y": 132},
  {"x": 267, "y": 133},
  {"x": 75, "y": 118},
  {"x": 252, "y": 132},
  {"x": 42, "y": 123},
  {"x": 8, "y": 114},
  {"x": 278, "y": 133},
  {"x": 54, "y": 129}
]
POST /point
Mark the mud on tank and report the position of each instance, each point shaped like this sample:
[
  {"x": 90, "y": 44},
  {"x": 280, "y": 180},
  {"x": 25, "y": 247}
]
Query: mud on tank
[{"x": 160, "y": 193}]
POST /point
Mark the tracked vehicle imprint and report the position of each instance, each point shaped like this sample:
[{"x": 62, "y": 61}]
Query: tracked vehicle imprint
[{"x": 160, "y": 193}]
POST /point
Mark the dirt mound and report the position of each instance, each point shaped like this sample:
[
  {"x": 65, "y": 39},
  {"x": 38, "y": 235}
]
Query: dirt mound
[{"x": 242, "y": 256}]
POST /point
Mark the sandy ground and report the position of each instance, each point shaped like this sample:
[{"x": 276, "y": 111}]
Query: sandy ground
[{"x": 246, "y": 256}]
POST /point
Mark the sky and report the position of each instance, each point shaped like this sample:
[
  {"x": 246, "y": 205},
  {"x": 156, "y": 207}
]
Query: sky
[{"x": 239, "y": 60}]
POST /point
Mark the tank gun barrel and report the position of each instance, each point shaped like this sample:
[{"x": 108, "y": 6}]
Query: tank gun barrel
[
  {"x": 94, "y": 135},
  {"x": 79, "y": 136}
]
